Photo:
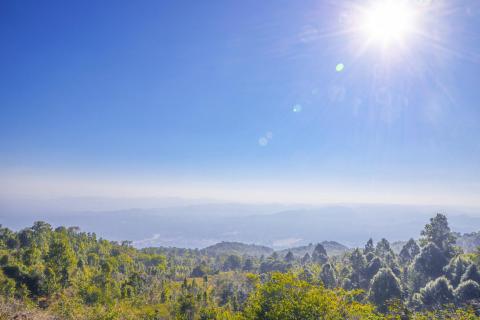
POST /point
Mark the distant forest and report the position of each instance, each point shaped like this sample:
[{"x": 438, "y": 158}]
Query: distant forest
[{"x": 65, "y": 273}]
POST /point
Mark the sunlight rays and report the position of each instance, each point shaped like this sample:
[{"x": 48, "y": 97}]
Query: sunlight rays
[
  {"x": 388, "y": 22},
  {"x": 408, "y": 41}
]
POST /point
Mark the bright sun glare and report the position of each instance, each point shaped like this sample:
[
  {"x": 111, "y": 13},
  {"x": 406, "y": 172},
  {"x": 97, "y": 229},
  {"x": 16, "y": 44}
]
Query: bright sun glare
[{"x": 387, "y": 22}]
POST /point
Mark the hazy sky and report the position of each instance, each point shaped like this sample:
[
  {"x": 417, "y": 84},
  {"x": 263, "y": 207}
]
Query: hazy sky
[{"x": 239, "y": 100}]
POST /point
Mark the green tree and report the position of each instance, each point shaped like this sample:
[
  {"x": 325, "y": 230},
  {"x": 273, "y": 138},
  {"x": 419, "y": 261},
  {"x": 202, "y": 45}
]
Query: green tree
[
  {"x": 289, "y": 257},
  {"x": 186, "y": 307},
  {"x": 373, "y": 267},
  {"x": 370, "y": 256},
  {"x": 285, "y": 297},
  {"x": 429, "y": 262},
  {"x": 455, "y": 270},
  {"x": 42, "y": 232},
  {"x": 467, "y": 291},
  {"x": 369, "y": 247},
  {"x": 7, "y": 287},
  {"x": 385, "y": 287},
  {"x": 271, "y": 265},
  {"x": 248, "y": 265},
  {"x": 437, "y": 293},
  {"x": 358, "y": 264},
  {"x": 306, "y": 258},
  {"x": 471, "y": 274},
  {"x": 233, "y": 262},
  {"x": 319, "y": 254},
  {"x": 60, "y": 262},
  {"x": 200, "y": 270},
  {"x": 438, "y": 232},
  {"x": 383, "y": 249},
  {"x": 409, "y": 251},
  {"x": 328, "y": 277}
]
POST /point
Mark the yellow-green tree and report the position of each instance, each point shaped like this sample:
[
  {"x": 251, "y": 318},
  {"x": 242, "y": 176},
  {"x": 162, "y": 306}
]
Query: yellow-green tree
[
  {"x": 60, "y": 263},
  {"x": 286, "y": 297}
]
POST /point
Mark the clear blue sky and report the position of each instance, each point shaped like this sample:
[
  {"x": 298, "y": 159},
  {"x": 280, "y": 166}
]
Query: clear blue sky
[{"x": 239, "y": 94}]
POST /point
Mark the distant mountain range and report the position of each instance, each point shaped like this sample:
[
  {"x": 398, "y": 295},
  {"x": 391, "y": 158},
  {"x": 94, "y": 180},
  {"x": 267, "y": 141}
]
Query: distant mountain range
[
  {"x": 274, "y": 226},
  {"x": 468, "y": 242}
]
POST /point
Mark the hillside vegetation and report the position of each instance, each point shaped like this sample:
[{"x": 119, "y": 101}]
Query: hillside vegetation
[
  {"x": 64, "y": 273},
  {"x": 237, "y": 248},
  {"x": 332, "y": 248}
]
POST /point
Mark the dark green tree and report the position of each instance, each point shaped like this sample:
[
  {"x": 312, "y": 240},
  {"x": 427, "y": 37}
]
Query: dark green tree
[
  {"x": 369, "y": 247},
  {"x": 274, "y": 265},
  {"x": 289, "y": 257},
  {"x": 455, "y": 270},
  {"x": 430, "y": 261},
  {"x": 42, "y": 233},
  {"x": 357, "y": 261},
  {"x": 319, "y": 254},
  {"x": 233, "y": 262},
  {"x": 306, "y": 258},
  {"x": 385, "y": 286},
  {"x": 438, "y": 232},
  {"x": 328, "y": 277},
  {"x": 471, "y": 274},
  {"x": 358, "y": 264},
  {"x": 437, "y": 293},
  {"x": 408, "y": 252},
  {"x": 199, "y": 271},
  {"x": 186, "y": 307},
  {"x": 383, "y": 249},
  {"x": 248, "y": 265},
  {"x": 373, "y": 267},
  {"x": 467, "y": 291},
  {"x": 370, "y": 256}
]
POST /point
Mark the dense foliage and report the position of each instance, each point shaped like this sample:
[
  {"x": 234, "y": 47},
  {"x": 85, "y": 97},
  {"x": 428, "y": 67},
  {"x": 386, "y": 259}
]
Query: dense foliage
[{"x": 68, "y": 274}]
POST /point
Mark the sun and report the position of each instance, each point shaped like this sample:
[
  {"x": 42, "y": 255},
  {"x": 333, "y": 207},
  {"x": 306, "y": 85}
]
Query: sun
[{"x": 387, "y": 22}]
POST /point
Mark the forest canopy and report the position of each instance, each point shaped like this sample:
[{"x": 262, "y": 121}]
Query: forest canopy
[{"x": 64, "y": 273}]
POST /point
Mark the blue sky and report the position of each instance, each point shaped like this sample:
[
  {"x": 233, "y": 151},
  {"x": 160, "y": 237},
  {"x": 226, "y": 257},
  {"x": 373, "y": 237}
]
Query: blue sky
[{"x": 180, "y": 97}]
